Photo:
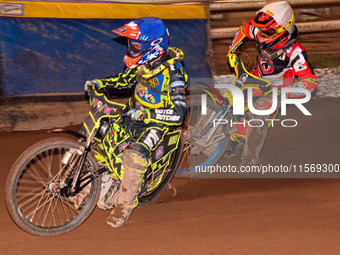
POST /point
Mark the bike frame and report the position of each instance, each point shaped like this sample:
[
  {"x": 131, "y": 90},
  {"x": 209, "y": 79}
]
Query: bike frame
[{"x": 105, "y": 115}]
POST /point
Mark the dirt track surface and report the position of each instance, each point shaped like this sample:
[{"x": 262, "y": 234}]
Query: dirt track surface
[{"x": 213, "y": 216}]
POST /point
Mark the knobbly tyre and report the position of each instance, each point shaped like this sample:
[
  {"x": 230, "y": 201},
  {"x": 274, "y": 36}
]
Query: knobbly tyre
[
  {"x": 206, "y": 143},
  {"x": 54, "y": 186}
]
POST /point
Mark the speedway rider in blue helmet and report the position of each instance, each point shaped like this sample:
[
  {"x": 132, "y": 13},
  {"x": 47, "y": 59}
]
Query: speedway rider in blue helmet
[{"x": 155, "y": 73}]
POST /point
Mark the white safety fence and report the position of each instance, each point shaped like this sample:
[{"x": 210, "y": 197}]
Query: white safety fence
[{"x": 220, "y": 33}]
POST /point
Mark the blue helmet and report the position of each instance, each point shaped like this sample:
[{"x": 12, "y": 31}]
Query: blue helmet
[{"x": 147, "y": 40}]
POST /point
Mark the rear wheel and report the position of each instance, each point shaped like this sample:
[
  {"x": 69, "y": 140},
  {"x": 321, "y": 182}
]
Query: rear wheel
[
  {"x": 147, "y": 198},
  {"x": 203, "y": 146},
  {"x": 37, "y": 197}
]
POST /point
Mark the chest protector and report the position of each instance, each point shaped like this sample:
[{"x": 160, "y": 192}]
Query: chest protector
[
  {"x": 152, "y": 92},
  {"x": 152, "y": 84}
]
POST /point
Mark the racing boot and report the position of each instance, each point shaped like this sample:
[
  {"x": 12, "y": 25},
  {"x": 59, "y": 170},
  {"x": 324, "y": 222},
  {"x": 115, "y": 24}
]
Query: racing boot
[
  {"x": 234, "y": 149},
  {"x": 135, "y": 164},
  {"x": 256, "y": 137}
]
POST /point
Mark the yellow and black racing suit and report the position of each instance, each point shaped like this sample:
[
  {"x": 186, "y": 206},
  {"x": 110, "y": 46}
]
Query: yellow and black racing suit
[{"x": 159, "y": 90}]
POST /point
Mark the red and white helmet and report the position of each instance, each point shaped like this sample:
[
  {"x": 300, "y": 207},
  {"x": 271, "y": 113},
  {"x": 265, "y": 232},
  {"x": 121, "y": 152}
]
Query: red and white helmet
[{"x": 275, "y": 23}]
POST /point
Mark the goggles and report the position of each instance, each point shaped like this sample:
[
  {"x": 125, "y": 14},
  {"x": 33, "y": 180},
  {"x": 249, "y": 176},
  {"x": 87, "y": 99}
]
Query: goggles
[
  {"x": 135, "y": 47},
  {"x": 271, "y": 32}
]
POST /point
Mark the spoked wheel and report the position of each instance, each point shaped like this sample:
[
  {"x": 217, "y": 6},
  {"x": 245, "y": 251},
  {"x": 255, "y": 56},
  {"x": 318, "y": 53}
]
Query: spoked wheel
[
  {"x": 37, "y": 194},
  {"x": 203, "y": 145}
]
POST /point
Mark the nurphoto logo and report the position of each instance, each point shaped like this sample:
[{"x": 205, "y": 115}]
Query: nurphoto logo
[{"x": 238, "y": 104}]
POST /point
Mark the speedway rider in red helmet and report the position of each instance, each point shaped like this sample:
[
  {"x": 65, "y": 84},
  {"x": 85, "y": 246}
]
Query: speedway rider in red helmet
[
  {"x": 281, "y": 59},
  {"x": 155, "y": 73}
]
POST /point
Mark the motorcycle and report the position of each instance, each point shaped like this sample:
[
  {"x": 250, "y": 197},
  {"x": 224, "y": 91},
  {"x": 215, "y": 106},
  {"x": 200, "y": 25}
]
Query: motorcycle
[
  {"x": 205, "y": 143},
  {"x": 54, "y": 186}
]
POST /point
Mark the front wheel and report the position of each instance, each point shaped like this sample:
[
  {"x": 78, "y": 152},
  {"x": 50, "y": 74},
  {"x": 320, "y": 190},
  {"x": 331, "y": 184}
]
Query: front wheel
[{"x": 36, "y": 190}]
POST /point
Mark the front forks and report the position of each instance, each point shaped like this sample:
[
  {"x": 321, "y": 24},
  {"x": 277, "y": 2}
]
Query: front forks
[{"x": 74, "y": 161}]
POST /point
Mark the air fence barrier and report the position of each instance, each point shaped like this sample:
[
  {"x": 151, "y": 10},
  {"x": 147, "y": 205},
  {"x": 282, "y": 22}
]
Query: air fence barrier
[
  {"x": 54, "y": 47},
  {"x": 49, "y": 48}
]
